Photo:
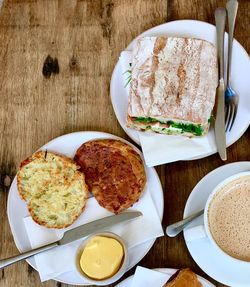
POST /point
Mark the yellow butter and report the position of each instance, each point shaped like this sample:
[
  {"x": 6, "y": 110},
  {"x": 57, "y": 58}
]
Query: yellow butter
[{"x": 101, "y": 257}]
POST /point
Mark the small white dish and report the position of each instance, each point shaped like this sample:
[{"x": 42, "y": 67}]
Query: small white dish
[
  {"x": 169, "y": 271},
  {"x": 117, "y": 275},
  {"x": 218, "y": 266}
]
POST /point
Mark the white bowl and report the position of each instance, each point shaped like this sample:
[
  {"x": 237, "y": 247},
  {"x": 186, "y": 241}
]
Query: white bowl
[{"x": 117, "y": 275}]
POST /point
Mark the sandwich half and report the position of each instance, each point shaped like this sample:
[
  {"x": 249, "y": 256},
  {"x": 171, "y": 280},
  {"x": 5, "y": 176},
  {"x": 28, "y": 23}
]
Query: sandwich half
[{"x": 173, "y": 85}]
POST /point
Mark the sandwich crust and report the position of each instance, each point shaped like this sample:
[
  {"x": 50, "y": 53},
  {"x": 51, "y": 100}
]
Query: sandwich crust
[
  {"x": 53, "y": 187},
  {"x": 114, "y": 173},
  {"x": 173, "y": 79}
]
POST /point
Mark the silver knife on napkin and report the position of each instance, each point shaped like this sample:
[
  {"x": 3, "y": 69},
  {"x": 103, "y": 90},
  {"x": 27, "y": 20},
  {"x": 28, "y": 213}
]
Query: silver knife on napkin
[
  {"x": 220, "y": 135},
  {"x": 75, "y": 234}
]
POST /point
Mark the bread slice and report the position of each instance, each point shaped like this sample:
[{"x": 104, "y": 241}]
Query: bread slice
[
  {"x": 114, "y": 173},
  {"x": 183, "y": 278},
  {"x": 54, "y": 189},
  {"x": 173, "y": 85}
]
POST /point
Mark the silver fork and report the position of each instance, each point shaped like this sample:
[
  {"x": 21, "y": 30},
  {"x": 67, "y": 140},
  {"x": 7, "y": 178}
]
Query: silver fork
[{"x": 231, "y": 97}]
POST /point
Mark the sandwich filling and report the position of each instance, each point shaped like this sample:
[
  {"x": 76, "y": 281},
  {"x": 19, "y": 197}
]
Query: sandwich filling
[{"x": 167, "y": 127}]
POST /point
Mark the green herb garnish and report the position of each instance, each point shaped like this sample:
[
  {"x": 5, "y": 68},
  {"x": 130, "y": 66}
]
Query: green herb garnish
[
  {"x": 129, "y": 73},
  {"x": 211, "y": 119}
]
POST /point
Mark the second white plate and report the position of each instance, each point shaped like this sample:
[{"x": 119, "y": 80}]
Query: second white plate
[{"x": 68, "y": 145}]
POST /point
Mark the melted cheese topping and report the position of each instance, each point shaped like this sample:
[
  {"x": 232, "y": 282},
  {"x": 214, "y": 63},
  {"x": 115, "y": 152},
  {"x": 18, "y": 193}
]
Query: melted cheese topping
[
  {"x": 53, "y": 187},
  {"x": 101, "y": 257}
]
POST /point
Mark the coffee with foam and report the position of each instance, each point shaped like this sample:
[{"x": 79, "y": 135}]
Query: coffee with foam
[{"x": 229, "y": 218}]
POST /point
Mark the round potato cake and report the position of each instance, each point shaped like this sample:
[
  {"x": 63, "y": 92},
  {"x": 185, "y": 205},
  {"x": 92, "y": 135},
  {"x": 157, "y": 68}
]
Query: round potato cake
[
  {"x": 53, "y": 187},
  {"x": 114, "y": 173}
]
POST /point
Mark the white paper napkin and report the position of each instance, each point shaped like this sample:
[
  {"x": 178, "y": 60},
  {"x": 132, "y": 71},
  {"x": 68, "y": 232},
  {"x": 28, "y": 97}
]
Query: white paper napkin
[
  {"x": 159, "y": 149},
  {"x": 61, "y": 259},
  {"x": 147, "y": 277}
]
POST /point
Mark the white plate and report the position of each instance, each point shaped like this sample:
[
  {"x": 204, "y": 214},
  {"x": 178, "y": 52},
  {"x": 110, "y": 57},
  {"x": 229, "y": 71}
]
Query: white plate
[
  {"x": 191, "y": 28},
  {"x": 127, "y": 282},
  {"x": 217, "y": 266},
  {"x": 68, "y": 145}
]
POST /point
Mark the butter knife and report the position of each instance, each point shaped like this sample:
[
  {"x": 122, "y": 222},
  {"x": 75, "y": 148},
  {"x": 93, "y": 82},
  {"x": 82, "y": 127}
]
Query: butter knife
[
  {"x": 74, "y": 234},
  {"x": 220, "y": 135}
]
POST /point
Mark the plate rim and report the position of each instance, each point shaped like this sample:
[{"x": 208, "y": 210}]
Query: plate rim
[
  {"x": 126, "y": 130},
  {"x": 152, "y": 169},
  {"x": 191, "y": 198}
]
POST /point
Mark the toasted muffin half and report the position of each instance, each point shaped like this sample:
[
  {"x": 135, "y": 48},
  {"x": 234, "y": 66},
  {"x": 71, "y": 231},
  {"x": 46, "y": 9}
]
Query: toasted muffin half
[
  {"x": 53, "y": 187},
  {"x": 114, "y": 173}
]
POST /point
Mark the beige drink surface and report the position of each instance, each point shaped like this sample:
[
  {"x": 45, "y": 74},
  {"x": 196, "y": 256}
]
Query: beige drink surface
[{"x": 229, "y": 218}]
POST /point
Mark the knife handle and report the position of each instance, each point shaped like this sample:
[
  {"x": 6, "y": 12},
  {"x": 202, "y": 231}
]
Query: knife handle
[
  {"x": 232, "y": 8},
  {"x": 14, "y": 259},
  {"x": 220, "y": 21}
]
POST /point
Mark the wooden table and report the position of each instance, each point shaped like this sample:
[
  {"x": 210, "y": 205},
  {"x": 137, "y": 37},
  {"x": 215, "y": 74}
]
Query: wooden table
[{"x": 86, "y": 37}]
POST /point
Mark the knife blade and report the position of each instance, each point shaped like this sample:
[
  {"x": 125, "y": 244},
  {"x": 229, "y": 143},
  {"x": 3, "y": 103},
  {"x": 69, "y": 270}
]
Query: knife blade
[
  {"x": 74, "y": 234},
  {"x": 219, "y": 128},
  {"x": 86, "y": 229}
]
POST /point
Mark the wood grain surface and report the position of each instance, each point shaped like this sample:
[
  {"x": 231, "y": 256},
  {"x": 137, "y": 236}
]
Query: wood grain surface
[{"x": 87, "y": 37}]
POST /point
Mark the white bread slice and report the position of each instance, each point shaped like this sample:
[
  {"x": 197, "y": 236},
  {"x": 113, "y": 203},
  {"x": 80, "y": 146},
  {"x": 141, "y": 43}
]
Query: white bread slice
[{"x": 173, "y": 79}]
